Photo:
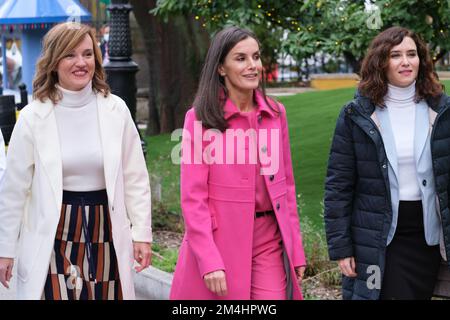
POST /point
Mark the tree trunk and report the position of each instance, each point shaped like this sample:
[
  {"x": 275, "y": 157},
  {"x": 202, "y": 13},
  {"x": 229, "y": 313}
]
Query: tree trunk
[
  {"x": 149, "y": 30},
  {"x": 354, "y": 63},
  {"x": 175, "y": 52},
  {"x": 306, "y": 69},
  {"x": 439, "y": 56}
]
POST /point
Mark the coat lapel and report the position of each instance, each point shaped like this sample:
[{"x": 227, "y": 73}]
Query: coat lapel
[
  {"x": 111, "y": 131},
  {"x": 48, "y": 144},
  {"x": 421, "y": 130},
  {"x": 48, "y": 147},
  {"x": 431, "y": 117},
  {"x": 388, "y": 138}
]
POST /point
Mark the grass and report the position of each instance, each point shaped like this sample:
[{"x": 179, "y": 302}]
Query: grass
[
  {"x": 311, "y": 117},
  {"x": 164, "y": 259},
  {"x": 165, "y": 183}
]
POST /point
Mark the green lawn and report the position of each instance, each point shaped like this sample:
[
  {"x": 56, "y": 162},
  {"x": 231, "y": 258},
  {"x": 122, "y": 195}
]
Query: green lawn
[
  {"x": 311, "y": 116},
  {"x": 162, "y": 170}
]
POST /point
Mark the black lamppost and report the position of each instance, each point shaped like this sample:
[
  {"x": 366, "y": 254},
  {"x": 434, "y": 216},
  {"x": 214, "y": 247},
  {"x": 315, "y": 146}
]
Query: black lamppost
[{"x": 121, "y": 69}]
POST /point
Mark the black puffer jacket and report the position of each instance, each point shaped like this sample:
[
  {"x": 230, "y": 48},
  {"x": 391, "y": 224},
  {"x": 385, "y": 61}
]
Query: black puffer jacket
[{"x": 358, "y": 211}]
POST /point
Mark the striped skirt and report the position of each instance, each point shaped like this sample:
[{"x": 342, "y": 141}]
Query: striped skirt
[{"x": 83, "y": 265}]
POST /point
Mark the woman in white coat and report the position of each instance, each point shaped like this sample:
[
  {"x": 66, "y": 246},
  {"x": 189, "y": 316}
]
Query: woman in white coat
[{"x": 75, "y": 205}]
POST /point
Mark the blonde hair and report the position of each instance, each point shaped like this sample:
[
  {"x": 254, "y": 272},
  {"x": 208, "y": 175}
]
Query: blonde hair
[{"x": 58, "y": 42}]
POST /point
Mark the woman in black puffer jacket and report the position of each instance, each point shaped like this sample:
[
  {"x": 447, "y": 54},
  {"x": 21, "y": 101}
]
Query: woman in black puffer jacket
[{"x": 387, "y": 218}]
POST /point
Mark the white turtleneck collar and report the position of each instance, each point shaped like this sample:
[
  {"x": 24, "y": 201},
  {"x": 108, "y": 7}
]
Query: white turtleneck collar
[
  {"x": 76, "y": 99},
  {"x": 399, "y": 95}
]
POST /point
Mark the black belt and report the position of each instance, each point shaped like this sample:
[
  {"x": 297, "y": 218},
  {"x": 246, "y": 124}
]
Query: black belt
[{"x": 264, "y": 213}]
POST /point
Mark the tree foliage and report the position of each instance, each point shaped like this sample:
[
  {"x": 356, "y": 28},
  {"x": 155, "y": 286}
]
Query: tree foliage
[
  {"x": 339, "y": 27},
  {"x": 176, "y": 37}
]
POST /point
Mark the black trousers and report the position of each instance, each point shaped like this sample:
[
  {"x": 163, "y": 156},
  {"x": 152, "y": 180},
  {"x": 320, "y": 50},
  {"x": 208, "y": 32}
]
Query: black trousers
[{"x": 411, "y": 265}]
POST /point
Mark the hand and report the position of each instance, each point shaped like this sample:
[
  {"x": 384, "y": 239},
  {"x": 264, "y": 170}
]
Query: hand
[
  {"x": 300, "y": 272},
  {"x": 348, "y": 267},
  {"x": 6, "y": 266},
  {"x": 142, "y": 255},
  {"x": 216, "y": 282}
]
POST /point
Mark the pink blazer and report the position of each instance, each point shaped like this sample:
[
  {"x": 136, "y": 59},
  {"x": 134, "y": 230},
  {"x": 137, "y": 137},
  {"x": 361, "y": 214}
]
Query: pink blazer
[{"x": 218, "y": 201}]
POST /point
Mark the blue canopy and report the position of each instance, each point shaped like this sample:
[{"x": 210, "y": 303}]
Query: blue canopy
[
  {"x": 41, "y": 11},
  {"x": 30, "y": 20}
]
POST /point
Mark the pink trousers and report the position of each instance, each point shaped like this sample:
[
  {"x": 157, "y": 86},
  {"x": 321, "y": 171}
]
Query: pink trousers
[{"x": 268, "y": 274}]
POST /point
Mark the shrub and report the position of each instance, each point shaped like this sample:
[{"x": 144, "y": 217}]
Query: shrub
[{"x": 314, "y": 241}]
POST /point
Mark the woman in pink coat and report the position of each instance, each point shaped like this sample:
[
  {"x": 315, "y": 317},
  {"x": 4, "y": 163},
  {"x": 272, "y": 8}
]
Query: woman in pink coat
[{"x": 238, "y": 199}]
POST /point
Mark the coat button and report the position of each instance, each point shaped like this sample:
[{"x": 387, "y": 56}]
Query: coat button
[
  {"x": 112, "y": 208},
  {"x": 264, "y": 149},
  {"x": 271, "y": 177},
  {"x": 424, "y": 182},
  {"x": 278, "y": 206},
  {"x": 372, "y": 131},
  {"x": 349, "y": 110},
  {"x": 384, "y": 166}
]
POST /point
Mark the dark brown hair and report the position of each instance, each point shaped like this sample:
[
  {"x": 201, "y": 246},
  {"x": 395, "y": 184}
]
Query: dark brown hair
[
  {"x": 374, "y": 82},
  {"x": 57, "y": 43},
  {"x": 211, "y": 93}
]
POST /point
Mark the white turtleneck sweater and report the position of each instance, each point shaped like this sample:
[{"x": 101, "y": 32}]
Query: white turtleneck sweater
[
  {"x": 401, "y": 106},
  {"x": 79, "y": 136}
]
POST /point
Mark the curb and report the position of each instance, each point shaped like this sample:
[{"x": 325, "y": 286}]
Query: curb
[{"x": 152, "y": 284}]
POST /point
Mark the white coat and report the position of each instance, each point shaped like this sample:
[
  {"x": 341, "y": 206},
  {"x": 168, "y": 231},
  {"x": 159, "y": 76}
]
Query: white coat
[
  {"x": 2, "y": 157},
  {"x": 31, "y": 197}
]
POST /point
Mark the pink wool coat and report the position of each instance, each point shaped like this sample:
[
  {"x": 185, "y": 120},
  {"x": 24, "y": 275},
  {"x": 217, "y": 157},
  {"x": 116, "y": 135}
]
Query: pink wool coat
[{"x": 218, "y": 204}]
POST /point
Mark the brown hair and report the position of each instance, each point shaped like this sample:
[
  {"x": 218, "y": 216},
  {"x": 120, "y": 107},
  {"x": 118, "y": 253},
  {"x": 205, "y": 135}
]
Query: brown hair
[
  {"x": 57, "y": 43},
  {"x": 212, "y": 93},
  {"x": 376, "y": 62}
]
